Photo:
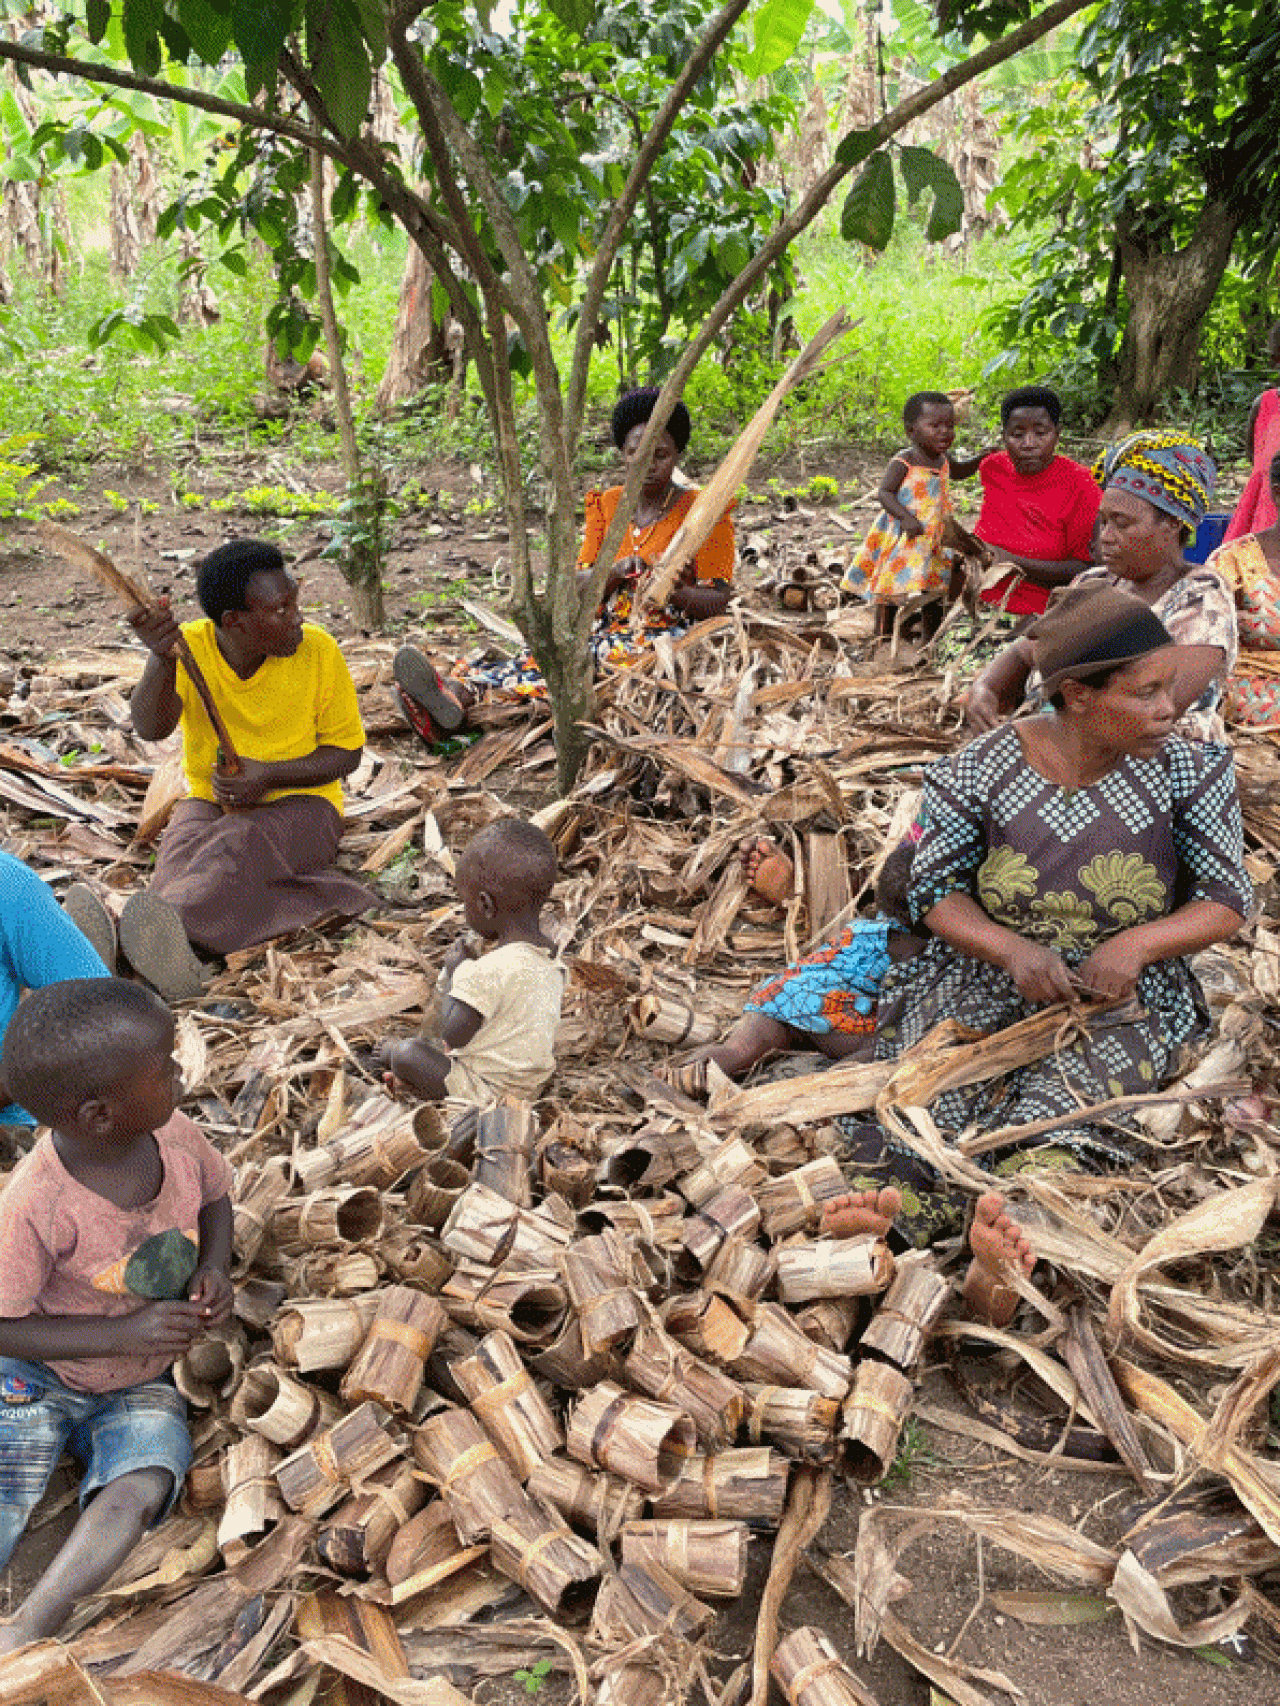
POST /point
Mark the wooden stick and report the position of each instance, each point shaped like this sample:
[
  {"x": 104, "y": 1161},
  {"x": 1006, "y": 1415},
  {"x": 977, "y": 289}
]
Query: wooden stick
[
  {"x": 82, "y": 555},
  {"x": 807, "y": 1510}
]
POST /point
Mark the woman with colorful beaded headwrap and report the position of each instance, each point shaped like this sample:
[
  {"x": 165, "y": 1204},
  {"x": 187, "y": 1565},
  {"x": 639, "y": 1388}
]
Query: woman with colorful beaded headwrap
[
  {"x": 1157, "y": 486},
  {"x": 438, "y": 705}
]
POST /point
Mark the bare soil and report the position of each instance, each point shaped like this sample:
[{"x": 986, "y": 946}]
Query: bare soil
[{"x": 442, "y": 552}]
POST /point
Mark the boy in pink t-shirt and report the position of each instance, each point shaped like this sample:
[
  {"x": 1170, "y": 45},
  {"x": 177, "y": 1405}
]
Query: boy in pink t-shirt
[{"x": 115, "y": 1245}]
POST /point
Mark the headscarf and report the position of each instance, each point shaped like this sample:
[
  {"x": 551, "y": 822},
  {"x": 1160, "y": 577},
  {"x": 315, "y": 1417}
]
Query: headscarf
[
  {"x": 636, "y": 408},
  {"x": 1172, "y": 472},
  {"x": 1088, "y": 630}
]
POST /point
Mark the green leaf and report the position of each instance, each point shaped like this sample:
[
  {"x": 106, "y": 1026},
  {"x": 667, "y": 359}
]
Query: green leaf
[
  {"x": 259, "y": 28},
  {"x": 867, "y": 215},
  {"x": 575, "y": 15},
  {"x": 372, "y": 17},
  {"x": 340, "y": 64},
  {"x": 923, "y": 170},
  {"x": 97, "y": 16},
  {"x": 208, "y": 28},
  {"x": 141, "y": 20},
  {"x": 853, "y": 148},
  {"x": 779, "y": 25}
]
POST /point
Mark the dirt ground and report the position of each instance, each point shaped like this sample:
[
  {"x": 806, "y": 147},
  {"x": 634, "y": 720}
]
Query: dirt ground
[{"x": 442, "y": 552}]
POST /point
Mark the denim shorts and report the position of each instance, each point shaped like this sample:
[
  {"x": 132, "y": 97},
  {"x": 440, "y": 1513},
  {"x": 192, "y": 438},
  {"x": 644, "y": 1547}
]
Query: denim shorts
[{"x": 111, "y": 1433}]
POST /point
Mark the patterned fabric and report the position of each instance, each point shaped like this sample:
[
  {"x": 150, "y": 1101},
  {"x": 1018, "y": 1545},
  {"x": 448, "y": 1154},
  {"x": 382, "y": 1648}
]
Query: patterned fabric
[
  {"x": 1048, "y": 516},
  {"x": 1198, "y": 610},
  {"x": 1068, "y": 868},
  {"x": 1252, "y": 695},
  {"x": 833, "y": 989},
  {"x": 893, "y": 565},
  {"x": 1256, "y": 508},
  {"x": 1168, "y": 469},
  {"x": 613, "y": 640}
]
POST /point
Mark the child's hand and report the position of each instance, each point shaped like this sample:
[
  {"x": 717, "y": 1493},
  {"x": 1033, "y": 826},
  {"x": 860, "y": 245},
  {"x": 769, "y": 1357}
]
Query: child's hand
[
  {"x": 465, "y": 948},
  {"x": 157, "y": 1329},
  {"x": 212, "y": 1294},
  {"x": 913, "y": 527},
  {"x": 382, "y": 1060}
]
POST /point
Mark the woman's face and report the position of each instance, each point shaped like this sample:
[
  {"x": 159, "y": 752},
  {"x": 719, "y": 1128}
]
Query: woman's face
[
  {"x": 662, "y": 464},
  {"x": 1031, "y": 439},
  {"x": 1134, "y": 713},
  {"x": 1135, "y": 539}
]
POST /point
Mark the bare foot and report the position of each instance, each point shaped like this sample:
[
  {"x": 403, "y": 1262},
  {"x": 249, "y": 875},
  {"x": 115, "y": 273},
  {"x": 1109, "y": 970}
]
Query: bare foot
[
  {"x": 998, "y": 1244},
  {"x": 770, "y": 873},
  {"x": 859, "y": 1212}
]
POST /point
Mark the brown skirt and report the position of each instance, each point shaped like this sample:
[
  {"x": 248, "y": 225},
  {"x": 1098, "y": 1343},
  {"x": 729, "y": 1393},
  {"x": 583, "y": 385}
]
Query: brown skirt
[{"x": 236, "y": 878}]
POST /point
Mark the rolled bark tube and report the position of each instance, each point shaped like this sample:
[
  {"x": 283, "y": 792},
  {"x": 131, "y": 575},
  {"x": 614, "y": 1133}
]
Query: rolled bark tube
[
  {"x": 741, "y": 1485},
  {"x": 380, "y": 1145},
  {"x": 567, "y": 1171},
  {"x": 506, "y": 1135},
  {"x": 666, "y": 1018},
  {"x": 810, "y": 1672},
  {"x": 211, "y": 1369},
  {"x": 486, "y": 1229},
  {"x": 336, "y": 1273},
  {"x": 434, "y": 1191},
  {"x": 344, "y": 1215},
  {"x": 643, "y": 1442},
  {"x": 258, "y": 1194},
  {"x": 475, "y": 1479},
  {"x": 597, "y": 1277},
  {"x": 254, "y": 1503},
  {"x": 513, "y": 1412},
  {"x": 357, "y": 1537},
  {"x": 908, "y": 1312},
  {"x": 778, "y": 1354},
  {"x": 414, "y": 1258},
  {"x": 660, "y": 1367},
  {"x": 586, "y": 1497},
  {"x": 729, "y": 1163},
  {"x": 645, "y": 1600},
  {"x": 731, "y": 1213},
  {"x": 656, "y": 1220},
  {"x": 829, "y": 1321},
  {"x": 529, "y": 1305},
  {"x": 795, "y": 1201},
  {"x": 388, "y": 1367},
  {"x": 556, "y": 1567},
  {"x": 426, "y": 1539},
  {"x": 282, "y": 1409},
  {"x": 325, "y": 1333},
  {"x": 317, "y": 1476},
  {"x": 834, "y": 1267},
  {"x": 741, "y": 1271},
  {"x": 801, "y": 1423},
  {"x": 873, "y": 1416},
  {"x": 566, "y": 1361},
  {"x": 707, "y": 1325},
  {"x": 707, "y": 1557}
]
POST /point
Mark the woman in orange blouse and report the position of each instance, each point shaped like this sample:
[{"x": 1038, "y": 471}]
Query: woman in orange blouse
[{"x": 437, "y": 706}]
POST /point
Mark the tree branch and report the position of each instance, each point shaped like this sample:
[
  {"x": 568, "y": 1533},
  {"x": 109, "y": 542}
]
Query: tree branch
[{"x": 598, "y": 280}]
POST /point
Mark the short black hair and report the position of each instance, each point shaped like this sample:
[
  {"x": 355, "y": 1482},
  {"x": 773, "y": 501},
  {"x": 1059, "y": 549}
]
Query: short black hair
[
  {"x": 919, "y": 401},
  {"x": 893, "y": 882},
  {"x": 1032, "y": 397},
  {"x": 515, "y": 860},
  {"x": 637, "y": 407},
  {"x": 69, "y": 1042},
  {"x": 223, "y": 577}
]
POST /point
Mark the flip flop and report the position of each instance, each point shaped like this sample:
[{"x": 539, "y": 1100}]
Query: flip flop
[
  {"x": 420, "y": 682},
  {"x": 155, "y": 944},
  {"x": 85, "y": 910}
]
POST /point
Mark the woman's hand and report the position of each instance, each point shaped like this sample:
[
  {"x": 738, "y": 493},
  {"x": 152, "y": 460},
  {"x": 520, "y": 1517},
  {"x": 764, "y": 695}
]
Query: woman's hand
[
  {"x": 157, "y": 628},
  {"x": 1112, "y": 971},
  {"x": 1041, "y": 975},
  {"x": 212, "y": 1294},
  {"x": 253, "y": 780},
  {"x": 982, "y": 708},
  {"x": 912, "y": 526}
]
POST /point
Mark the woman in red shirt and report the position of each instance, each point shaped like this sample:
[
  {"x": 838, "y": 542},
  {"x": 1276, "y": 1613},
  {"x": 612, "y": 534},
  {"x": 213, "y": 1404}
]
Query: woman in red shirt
[{"x": 1038, "y": 513}]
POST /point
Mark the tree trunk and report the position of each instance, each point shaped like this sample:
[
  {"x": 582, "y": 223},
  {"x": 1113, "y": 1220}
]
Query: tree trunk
[
  {"x": 361, "y": 558},
  {"x": 1169, "y": 294},
  {"x": 420, "y": 353}
]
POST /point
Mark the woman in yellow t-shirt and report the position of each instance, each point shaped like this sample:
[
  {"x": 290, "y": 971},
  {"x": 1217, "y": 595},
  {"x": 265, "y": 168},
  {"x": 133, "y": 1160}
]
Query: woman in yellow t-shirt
[{"x": 249, "y": 856}]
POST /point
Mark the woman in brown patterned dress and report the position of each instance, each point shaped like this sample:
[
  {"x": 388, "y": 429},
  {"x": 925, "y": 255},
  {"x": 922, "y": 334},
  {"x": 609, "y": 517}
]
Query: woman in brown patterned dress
[{"x": 1076, "y": 858}]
